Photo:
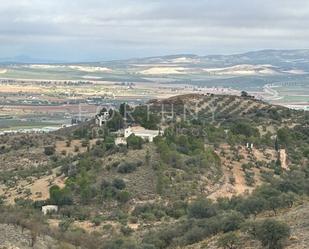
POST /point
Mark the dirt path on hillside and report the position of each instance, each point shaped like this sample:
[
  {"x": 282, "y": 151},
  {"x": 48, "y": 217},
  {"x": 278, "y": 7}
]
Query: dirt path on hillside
[{"x": 283, "y": 159}]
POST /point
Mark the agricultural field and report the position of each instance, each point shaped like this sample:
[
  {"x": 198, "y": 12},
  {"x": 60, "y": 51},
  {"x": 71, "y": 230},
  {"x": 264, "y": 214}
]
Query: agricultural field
[{"x": 46, "y": 87}]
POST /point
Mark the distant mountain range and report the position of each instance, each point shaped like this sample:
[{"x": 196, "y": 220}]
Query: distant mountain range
[
  {"x": 280, "y": 58},
  {"x": 285, "y": 59},
  {"x": 25, "y": 59}
]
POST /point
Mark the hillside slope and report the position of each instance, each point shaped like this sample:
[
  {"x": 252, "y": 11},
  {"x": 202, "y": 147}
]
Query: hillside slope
[
  {"x": 220, "y": 162},
  {"x": 297, "y": 218}
]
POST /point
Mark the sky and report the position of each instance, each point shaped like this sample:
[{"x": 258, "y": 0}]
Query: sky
[{"x": 93, "y": 30}]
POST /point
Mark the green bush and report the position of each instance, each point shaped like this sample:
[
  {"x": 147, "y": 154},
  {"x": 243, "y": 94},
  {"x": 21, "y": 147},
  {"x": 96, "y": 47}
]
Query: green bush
[
  {"x": 231, "y": 221},
  {"x": 134, "y": 142},
  {"x": 229, "y": 241},
  {"x": 200, "y": 209},
  {"x": 119, "y": 183},
  {"x": 60, "y": 196},
  {"x": 125, "y": 168},
  {"x": 97, "y": 220},
  {"x": 272, "y": 233},
  {"x": 49, "y": 150},
  {"x": 123, "y": 196}
]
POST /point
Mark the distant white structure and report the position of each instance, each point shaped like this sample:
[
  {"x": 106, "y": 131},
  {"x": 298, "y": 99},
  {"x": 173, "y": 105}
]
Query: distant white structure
[
  {"x": 49, "y": 209},
  {"x": 139, "y": 131},
  {"x": 102, "y": 118},
  {"x": 249, "y": 146}
]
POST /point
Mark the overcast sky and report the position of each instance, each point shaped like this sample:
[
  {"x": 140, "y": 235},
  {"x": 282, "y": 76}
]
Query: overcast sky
[{"x": 80, "y": 30}]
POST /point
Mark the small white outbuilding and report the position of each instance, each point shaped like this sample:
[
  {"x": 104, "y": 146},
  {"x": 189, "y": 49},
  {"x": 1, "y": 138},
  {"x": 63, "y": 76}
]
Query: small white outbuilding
[{"x": 49, "y": 209}]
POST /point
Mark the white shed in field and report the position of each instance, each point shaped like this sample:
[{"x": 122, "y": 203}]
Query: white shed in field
[{"x": 49, "y": 209}]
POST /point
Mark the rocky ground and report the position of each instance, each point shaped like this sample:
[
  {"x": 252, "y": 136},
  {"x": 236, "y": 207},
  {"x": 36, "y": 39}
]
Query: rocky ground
[{"x": 12, "y": 237}]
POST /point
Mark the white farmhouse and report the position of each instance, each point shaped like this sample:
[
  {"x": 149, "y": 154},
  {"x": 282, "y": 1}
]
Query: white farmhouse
[{"x": 139, "y": 131}]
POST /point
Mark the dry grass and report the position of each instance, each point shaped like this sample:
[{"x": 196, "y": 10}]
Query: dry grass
[
  {"x": 61, "y": 146},
  {"x": 39, "y": 188}
]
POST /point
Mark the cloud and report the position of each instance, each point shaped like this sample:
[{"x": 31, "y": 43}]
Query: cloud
[{"x": 101, "y": 29}]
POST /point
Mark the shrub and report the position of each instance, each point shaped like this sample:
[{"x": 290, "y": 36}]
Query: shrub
[
  {"x": 85, "y": 142},
  {"x": 271, "y": 233},
  {"x": 242, "y": 128},
  {"x": 123, "y": 196},
  {"x": 249, "y": 178},
  {"x": 97, "y": 220},
  {"x": 65, "y": 224},
  {"x": 229, "y": 241},
  {"x": 98, "y": 151},
  {"x": 76, "y": 148},
  {"x": 125, "y": 168},
  {"x": 149, "y": 211},
  {"x": 120, "y": 243},
  {"x": 60, "y": 196},
  {"x": 201, "y": 209},
  {"x": 194, "y": 235},
  {"x": 252, "y": 205},
  {"x": 119, "y": 184},
  {"x": 68, "y": 143},
  {"x": 134, "y": 142},
  {"x": 49, "y": 150},
  {"x": 126, "y": 231},
  {"x": 231, "y": 221}
]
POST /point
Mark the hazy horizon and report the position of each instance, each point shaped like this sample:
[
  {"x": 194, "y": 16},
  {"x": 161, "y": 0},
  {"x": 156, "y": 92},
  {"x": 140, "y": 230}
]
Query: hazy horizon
[{"x": 28, "y": 59}]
